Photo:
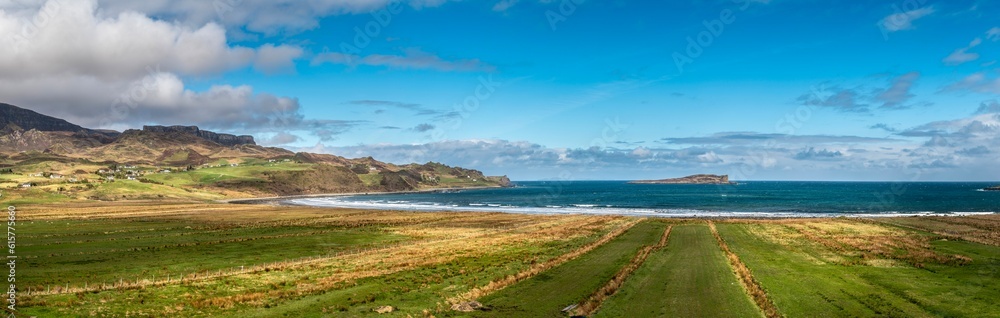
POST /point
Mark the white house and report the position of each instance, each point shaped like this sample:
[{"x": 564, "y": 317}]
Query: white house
[{"x": 26, "y": 185}]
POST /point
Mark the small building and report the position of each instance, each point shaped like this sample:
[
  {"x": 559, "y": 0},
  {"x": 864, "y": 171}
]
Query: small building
[
  {"x": 234, "y": 165},
  {"x": 55, "y": 176},
  {"x": 110, "y": 178},
  {"x": 131, "y": 177},
  {"x": 26, "y": 185}
]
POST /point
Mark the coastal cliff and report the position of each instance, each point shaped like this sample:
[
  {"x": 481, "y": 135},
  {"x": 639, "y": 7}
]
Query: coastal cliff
[
  {"x": 693, "y": 179},
  {"x": 222, "y": 139}
]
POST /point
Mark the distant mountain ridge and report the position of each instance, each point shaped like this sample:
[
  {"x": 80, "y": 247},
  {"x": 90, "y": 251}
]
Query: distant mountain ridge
[{"x": 29, "y": 139}]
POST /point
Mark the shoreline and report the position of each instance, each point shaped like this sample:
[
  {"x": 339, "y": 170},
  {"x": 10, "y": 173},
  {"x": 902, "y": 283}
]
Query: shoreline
[
  {"x": 714, "y": 215},
  {"x": 265, "y": 200}
]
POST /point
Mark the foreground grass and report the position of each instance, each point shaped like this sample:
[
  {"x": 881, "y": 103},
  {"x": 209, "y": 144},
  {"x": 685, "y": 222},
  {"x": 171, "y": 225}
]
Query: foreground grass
[
  {"x": 316, "y": 262},
  {"x": 807, "y": 278},
  {"x": 689, "y": 278},
  {"x": 330, "y": 261},
  {"x": 546, "y": 294}
]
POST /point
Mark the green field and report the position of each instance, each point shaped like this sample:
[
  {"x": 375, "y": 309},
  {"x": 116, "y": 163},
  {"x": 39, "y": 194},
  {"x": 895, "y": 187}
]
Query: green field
[
  {"x": 211, "y": 175},
  {"x": 546, "y": 294},
  {"x": 808, "y": 279},
  {"x": 158, "y": 258},
  {"x": 689, "y": 278}
]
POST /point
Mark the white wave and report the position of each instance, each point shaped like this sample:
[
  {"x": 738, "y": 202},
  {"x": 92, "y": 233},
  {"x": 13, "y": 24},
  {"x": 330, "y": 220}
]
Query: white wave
[{"x": 555, "y": 209}]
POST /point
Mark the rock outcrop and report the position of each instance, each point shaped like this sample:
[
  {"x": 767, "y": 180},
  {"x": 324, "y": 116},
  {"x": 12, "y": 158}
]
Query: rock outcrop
[
  {"x": 996, "y": 188},
  {"x": 222, "y": 139},
  {"x": 15, "y": 118},
  {"x": 693, "y": 179}
]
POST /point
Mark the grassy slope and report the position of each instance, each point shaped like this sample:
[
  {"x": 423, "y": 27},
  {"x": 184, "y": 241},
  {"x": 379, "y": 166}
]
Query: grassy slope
[
  {"x": 803, "y": 282},
  {"x": 549, "y": 292},
  {"x": 689, "y": 278}
]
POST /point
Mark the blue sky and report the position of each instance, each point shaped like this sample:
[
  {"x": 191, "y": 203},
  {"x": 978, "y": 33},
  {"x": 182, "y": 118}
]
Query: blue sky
[{"x": 760, "y": 90}]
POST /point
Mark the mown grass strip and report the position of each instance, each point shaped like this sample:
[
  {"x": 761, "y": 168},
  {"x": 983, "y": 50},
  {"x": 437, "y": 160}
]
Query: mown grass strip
[
  {"x": 548, "y": 293},
  {"x": 689, "y": 278},
  {"x": 499, "y": 284},
  {"x": 746, "y": 277},
  {"x": 806, "y": 279},
  {"x": 595, "y": 300}
]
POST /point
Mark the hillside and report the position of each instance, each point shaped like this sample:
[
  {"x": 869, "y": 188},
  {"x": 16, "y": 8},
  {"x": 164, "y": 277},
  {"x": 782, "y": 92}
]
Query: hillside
[{"x": 54, "y": 160}]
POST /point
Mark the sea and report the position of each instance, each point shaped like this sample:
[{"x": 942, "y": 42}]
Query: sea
[{"x": 749, "y": 199}]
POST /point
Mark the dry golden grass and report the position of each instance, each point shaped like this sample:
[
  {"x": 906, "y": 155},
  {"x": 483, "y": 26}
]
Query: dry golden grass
[
  {"x": 871, "y": 242},
  {"x": 750, "y": 284},
  {"x": 436, "y": 238},
  {"x": 983, "y": 229}
]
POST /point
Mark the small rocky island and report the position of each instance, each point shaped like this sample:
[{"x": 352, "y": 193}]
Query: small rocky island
[
  {"x": 693, "y": 179},
  {"x": 996, "y": 188}
]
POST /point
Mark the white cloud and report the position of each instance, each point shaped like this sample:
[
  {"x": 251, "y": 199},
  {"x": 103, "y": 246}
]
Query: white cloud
[
  {"x": 978, "y": 82},
  {"x": 962, "y": 55},
  {"x": 276, "y": 59},
  {"x": 258, "y": 16},
  {"x": 504, "y": 5},
  {"x": 904, "y": 20},
  {"x": 412, "y": 58},
  {"x": 104, "y": 68},
  {"x": 898, "y": 93},
  {"x": 993, "y": 34}
]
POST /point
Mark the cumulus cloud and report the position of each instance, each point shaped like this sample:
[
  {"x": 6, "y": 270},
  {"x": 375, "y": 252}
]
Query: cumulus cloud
[
  {"x": 259, "y": 16},
  {"x": 70, "y": 38},
  {"x": 107, "y": 68},
  {"x": 411, "y": 59}
]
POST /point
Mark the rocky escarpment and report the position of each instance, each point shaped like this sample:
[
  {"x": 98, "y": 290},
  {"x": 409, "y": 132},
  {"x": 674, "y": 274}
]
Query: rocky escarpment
[
  {"x": 14, "y": 118},
  {"x": 693, "y": 179},
  {"x": 222, "y": 139}
]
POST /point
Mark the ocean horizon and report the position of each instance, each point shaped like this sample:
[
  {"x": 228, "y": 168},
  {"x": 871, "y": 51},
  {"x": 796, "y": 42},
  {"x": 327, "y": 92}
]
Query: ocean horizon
[{"x": 744, "y": 199}]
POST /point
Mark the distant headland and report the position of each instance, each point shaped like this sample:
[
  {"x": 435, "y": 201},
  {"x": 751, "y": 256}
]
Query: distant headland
[{"x": 693, "y": 179}]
